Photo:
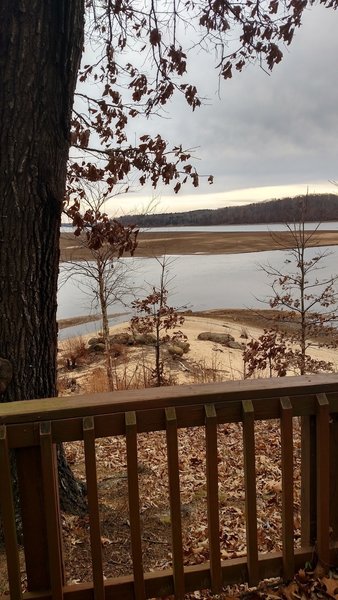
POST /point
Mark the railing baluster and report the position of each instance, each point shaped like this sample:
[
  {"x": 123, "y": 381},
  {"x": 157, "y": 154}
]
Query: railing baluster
[
  {"x": 287, "y": 487},
  {"x": 93, "y": 506},
  {"x": 134, "y": 505},
  {"x": 212, "y": 497},
  {"x": 250, "y": 490},
  {"x": 48, "y": 463},
  {"x": 323, "y": 479},
  {"x": 7, "y": 513},
  {"x": 175, "y": 502},
  {"x": 308, "y": 480}
]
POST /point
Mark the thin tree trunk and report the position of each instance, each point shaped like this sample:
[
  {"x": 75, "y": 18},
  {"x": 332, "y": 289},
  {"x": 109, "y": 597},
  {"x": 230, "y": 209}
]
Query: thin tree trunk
[
  {"x": 158, "y": 358},
  {"x": 40, "y": 49},
  {"x": 105, "y": 329}
]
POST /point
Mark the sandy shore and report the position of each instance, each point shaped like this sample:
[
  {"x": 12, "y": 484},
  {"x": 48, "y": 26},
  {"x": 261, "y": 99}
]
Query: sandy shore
[
  {"x": 206, "y": 361},
  {"x": 159, "y": 243},
  {"x": 227, "y": 363},
  {"x": 205, "y": 358}
]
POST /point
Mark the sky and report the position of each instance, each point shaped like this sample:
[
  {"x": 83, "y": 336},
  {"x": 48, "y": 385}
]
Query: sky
[{"x": 261, "y": 136}]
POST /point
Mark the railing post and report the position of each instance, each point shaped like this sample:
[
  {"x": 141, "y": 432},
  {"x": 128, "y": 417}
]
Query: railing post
[
  {"x": 29, "y": 472},
  {"x": 7, "y": 514},
  {"x": 250, "y": 491},
  {"x": 212, "y": 497},
  {"x": 309, "y": 481},
  {"x": 334, "y": 476},
  {"x": 33, "y": 514},
  {"x": 323, "y": 480},
  {"x": 287, "y": 487}
]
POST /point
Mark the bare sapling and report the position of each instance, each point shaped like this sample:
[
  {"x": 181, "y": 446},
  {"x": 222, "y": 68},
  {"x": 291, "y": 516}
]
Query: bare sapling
[
  {"x": 104, "y": 277},
  {"x": 306, "y": 303},
  {"x": 154, "y": 317}
]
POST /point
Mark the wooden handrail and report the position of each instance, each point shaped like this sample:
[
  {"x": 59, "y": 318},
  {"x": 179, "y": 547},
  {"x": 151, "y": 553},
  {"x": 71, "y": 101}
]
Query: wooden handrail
[
  {"x": 34, "y": 427},
  {"x": 51, "y": 409}
]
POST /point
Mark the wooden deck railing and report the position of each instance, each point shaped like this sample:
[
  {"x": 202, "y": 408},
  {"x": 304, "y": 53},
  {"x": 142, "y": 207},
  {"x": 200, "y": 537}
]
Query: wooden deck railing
[{"x": 33, "y": 428}]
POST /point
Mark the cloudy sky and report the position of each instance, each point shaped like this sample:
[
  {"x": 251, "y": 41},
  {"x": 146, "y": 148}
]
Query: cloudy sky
[{"x": 261, "y": 136}]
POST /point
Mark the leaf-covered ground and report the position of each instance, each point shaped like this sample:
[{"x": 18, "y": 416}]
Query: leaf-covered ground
[{"x": 155, "y": 513}]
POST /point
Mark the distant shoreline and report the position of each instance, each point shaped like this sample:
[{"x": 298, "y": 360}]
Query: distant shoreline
[
  {"x": 82, "y": 319},
  {"x": 199, "y": 242}
]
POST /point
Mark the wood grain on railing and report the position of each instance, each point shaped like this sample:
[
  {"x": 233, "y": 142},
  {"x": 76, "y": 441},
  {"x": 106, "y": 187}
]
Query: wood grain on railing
[
  {"x": 315, "y": 398},
  {"x": 27, "y": 411},
  {"x": 250, "y": 490},
  {"x": 287, "y": 487},
  {"x": 52, "y": 510},
  {"x": 93, "y": 506},
  {"x": 134, "y": 505},
  {"x": 8, "y": 518},
  {"x": 175, "y": 502},
  {"x": 323, "y": 480},
  {"x": 212, "y": 497}
]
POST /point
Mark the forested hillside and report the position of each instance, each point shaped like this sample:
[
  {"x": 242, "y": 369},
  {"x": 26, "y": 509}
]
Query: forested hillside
[{"x": 320, "y": 207}]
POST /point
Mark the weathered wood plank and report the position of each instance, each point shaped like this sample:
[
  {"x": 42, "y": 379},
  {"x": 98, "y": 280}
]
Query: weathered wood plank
[
  {"x": 52, "y": 509},
  {"x": 160, "y": 583},
  {"x": 93, "y": 506},
  {"x": 7, "y": 513},
  {"x": 250, "y": 491},
  {"x": 33, "y": 515},
  {"x": 175, "y": 503},
  {"x": 134, "y": 505},
  {"x": 212, "y": 497},
  {"x": 323, "y": 480},
  {"x": 308, "y": 480},
  {"x": 22, "y": 435},
  {"x": 81, "y": 406},
  {"x": 334, "y": 475},
  {"x": 287, "y": 487}
]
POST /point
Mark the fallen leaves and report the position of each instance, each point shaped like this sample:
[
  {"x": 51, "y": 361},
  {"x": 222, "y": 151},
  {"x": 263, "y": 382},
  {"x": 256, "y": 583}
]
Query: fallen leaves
[{"x": 154, "y": 500}]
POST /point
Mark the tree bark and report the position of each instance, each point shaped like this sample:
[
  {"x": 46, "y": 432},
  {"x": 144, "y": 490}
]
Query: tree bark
[
  {"x": 40, "y": 50},
  {"x": 105, "y": 322}
]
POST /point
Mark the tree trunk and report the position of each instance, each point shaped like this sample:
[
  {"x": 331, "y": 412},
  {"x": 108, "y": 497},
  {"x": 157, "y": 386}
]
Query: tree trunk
[
  {"x": 105, "y": 327},
  {"x": 40, "y": 49}
]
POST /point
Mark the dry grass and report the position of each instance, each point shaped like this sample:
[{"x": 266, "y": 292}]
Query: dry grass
[
  {"x": 127, "y": 376},
  {"x": 208, "y": 371},
  {"x": 75, "y": 349}
]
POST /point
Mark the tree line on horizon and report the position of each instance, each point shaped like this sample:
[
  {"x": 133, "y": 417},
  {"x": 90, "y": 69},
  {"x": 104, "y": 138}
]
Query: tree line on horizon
[{"x": 319, "y": 207}]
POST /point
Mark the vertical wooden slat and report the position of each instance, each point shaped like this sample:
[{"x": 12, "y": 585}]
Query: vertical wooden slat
[
  {"x": 93, "y": 506},
  {"x": 33, "y": 515},
  {"x": 175, "y": 501},
  {"x": 212, "y": 497},
  {"x": 52, "y": 509},
  {"x": 308, "y": 481},
  {"x": 7, "y": 514},
  {"x": 287, "y": 488},
  {"x": 334, "y": 476},
  {"x": 323, "y": 479},
  {"x": 134, "y": 505},
  {"x": 250, "y": 490}
]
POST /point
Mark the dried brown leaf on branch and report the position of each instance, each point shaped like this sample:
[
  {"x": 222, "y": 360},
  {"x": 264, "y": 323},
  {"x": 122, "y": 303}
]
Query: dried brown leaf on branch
[{"x": 124, "y": 90}]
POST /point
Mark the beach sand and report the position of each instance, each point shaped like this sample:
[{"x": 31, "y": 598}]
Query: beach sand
[
  {"x": 175, "y": 243},
  {"x": 205, "y": 358},
  {"x": 205, "y": 362}
]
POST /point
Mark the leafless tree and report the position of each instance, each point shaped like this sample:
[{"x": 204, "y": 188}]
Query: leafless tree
[
  {"x": 307, "y": 302},
  {"x": 103, "y": 276},
  {"x": 156, "y": 317}
]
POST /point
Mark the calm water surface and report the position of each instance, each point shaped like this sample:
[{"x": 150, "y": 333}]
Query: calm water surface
[
  {"x": 326, "y": 226},
  {"x": 198, "y": 282}
]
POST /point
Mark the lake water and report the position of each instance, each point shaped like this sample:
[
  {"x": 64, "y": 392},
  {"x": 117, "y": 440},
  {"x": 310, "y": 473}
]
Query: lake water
[
  {"x": 326, "y": 226},
  {"x": 198, "y": 282}
]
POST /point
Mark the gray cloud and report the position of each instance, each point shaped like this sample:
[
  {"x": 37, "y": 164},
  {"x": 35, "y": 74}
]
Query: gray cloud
[
  {"x": 263, "y": 130},
  {"x": 281, "y": 126}
]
